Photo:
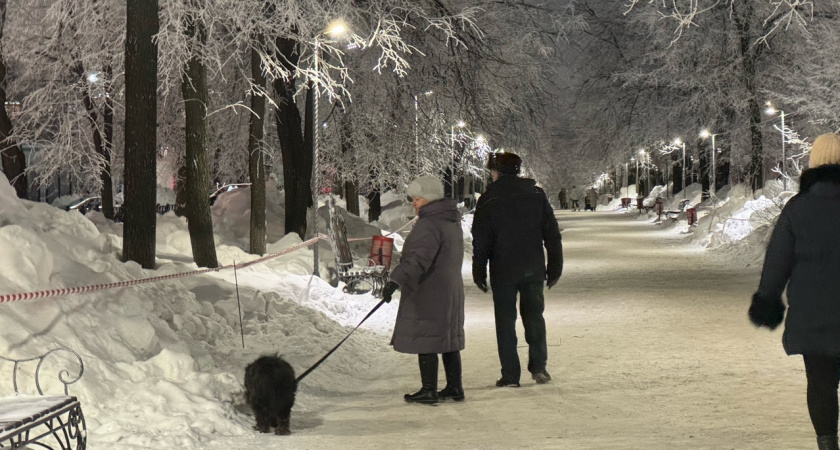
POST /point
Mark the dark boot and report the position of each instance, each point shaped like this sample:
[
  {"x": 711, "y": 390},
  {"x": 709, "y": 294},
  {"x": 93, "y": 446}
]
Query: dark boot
[
  {"x": 428, "y": 376},
  {"x": 827, "y": 442},
  {"x": 452, "y": 366}
]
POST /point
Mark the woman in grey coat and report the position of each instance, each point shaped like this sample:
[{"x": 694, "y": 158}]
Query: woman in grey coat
[
  {"x": 430, "y": 319},
  {"x": 803, "y": 255}
]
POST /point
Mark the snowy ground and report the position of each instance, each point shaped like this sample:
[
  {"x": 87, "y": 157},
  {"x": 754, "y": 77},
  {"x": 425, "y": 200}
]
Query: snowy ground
[
  {"x": 649, "y": 343},
  {"x": 649, "y": 347}
]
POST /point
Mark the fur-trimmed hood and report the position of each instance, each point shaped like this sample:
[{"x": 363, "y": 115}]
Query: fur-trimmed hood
[{"x": 823, "y": 181}]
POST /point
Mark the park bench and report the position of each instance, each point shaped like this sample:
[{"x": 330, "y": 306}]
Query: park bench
[
  {"x": 674, "y": 214},
  {"x": 42, "y": 421},
  {"x": 357, "y": 279}
]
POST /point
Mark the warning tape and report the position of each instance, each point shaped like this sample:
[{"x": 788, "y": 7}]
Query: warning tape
[
  {"x": 7, "y": 298},
  {"x": 410, "y": 222}
]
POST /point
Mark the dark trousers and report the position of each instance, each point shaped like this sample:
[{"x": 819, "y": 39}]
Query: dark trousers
[
  {"x": 531, "y": 306},
  {"x": 823, "y": 372}
]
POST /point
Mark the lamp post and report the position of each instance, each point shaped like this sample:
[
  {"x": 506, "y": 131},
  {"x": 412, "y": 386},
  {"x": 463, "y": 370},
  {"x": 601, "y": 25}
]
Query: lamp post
[
  {"x": 771, "y": 111},
  {"x": 705, "y": 134},
  {"x": 633, "y": 159},
  {"x": 679, "y": 142},
  {"x": 335, "y": 29}
]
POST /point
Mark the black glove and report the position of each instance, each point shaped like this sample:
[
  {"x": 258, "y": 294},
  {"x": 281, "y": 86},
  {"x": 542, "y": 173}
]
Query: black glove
[
  {"x": 388, "y": 291},
  {"x": 552, "y": 275},
  {"x": 480, "y": 277},
  {"x": 766, "y": 312}
]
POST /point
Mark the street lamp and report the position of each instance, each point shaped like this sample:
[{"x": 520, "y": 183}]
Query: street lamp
[
  {"x": 705, "y": 133},
  {"x": 679, "y": 142},
  {"x": 633, "y": 159},
  {"x": 335, "y": 29},
  {"x": 771, "y": 111}
]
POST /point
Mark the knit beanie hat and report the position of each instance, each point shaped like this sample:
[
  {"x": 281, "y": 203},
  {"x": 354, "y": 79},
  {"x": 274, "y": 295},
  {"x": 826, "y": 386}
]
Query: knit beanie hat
[
  {"x": 826, "y": 150},
  {"x": 506, "y": 163},
  {"x": 426, "y": 186}
]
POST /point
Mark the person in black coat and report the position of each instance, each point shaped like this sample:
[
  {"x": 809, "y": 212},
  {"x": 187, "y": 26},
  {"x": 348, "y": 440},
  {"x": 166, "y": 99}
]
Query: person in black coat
[
  {"x": 803, "y": 255},
  {"x": 513, "y": 222}
]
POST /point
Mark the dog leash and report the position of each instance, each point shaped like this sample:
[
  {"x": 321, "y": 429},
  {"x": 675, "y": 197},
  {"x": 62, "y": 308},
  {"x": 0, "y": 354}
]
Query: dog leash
[{"x": 323, "y": 358}]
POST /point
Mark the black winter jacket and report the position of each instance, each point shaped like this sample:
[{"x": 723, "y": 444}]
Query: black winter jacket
[
  {"x": 513, "y": 222},
  {"x": 804, "y": 255}
]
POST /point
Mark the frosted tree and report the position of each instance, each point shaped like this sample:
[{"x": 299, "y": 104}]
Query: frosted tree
[{"x": 13, "y": 160}]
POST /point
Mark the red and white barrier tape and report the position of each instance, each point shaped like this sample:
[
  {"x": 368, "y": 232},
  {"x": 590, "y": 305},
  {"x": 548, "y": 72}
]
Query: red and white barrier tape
[
  {"x": 7, "y": 298},
  {"x": 410, "y": 222}
]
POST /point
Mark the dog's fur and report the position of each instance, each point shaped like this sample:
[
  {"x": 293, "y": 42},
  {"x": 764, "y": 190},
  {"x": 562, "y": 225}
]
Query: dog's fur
[{"x": 270, "y": 387}]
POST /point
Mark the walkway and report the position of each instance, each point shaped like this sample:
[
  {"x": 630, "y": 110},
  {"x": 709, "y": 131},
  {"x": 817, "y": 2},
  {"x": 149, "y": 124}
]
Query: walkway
[{"x": 650, "y": 348}]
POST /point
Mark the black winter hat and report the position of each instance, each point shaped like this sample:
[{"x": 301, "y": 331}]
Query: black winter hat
[{"x": 506, "y": 163}]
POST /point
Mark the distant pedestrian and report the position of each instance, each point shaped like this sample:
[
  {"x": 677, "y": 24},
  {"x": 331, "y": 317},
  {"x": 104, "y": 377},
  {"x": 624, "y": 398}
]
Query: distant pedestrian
[
  {"x": 430, "y": 319},
  {"x": 592, "y": 198},
  {"x": 513, "y": 222},
  {"x": 563, "y": 198},
  {"x": 575, "y": 196},
  {"x": 804, "y": 255}
]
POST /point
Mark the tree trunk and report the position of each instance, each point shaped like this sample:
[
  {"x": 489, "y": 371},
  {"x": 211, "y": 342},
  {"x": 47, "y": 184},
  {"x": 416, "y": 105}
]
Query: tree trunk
[
  {"x": 181, "y": 191},
  {"x": 374, "y": 205},
  {"x": 102, "y": 146},
  {"x": 256, "y": 167},
  {"x": 297, "y": 162},
  {"x": 351, "y": 189},
  {"x": 107, "y": 193},
  {"x": 194, "y": 91},
  {"x": 705, "y": 173},
  {"x": 742, "y": 16},
  {"x": 12, "y": 157},
  {"x": 351, "y": 197},
  {"x": 141, "y": 62},
  {"x": 755, "y": 172}
]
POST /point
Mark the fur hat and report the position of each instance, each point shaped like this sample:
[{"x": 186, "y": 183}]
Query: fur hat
[
  {"x": 506, "y": 163},
  {"x": 826, "y": 150},
  {"x": 426, "y": 186}
]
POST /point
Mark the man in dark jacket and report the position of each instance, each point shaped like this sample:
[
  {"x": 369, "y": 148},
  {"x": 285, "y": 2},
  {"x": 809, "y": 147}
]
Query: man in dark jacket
[{"x": 513, "y": 222}]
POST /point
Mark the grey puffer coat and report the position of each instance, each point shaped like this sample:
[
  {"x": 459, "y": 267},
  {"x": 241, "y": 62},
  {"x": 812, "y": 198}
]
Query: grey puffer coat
[
  {"x": 804, "y": 255},
  {"x": 431, "y": 314}
]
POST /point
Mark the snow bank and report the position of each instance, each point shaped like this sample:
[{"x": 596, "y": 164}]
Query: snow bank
[{"x": 164, "y": 361}]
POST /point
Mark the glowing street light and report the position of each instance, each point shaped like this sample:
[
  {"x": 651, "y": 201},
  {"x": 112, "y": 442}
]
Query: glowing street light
[
  {"x": 770, "y": 111},
  {"x": 337, "y": 28},
  {"x": 705, "y": 134}
]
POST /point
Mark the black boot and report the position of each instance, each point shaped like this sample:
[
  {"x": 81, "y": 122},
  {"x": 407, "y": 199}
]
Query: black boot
[
  {"x": 428, "y": 376},
  {"x": 827, "y": 442},
  {"x": 452, "y": 367}
]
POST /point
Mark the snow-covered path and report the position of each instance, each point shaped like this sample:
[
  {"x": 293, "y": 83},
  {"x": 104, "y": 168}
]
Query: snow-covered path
[{"x": 649, "y": 347}]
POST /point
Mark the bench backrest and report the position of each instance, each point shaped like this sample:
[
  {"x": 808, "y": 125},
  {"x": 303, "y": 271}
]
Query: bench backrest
[{"x": 63, "y": 375}]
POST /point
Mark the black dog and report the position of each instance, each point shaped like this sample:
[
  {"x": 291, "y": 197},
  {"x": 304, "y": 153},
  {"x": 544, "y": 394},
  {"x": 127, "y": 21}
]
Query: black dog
[{"x": 270, "y": 387}]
